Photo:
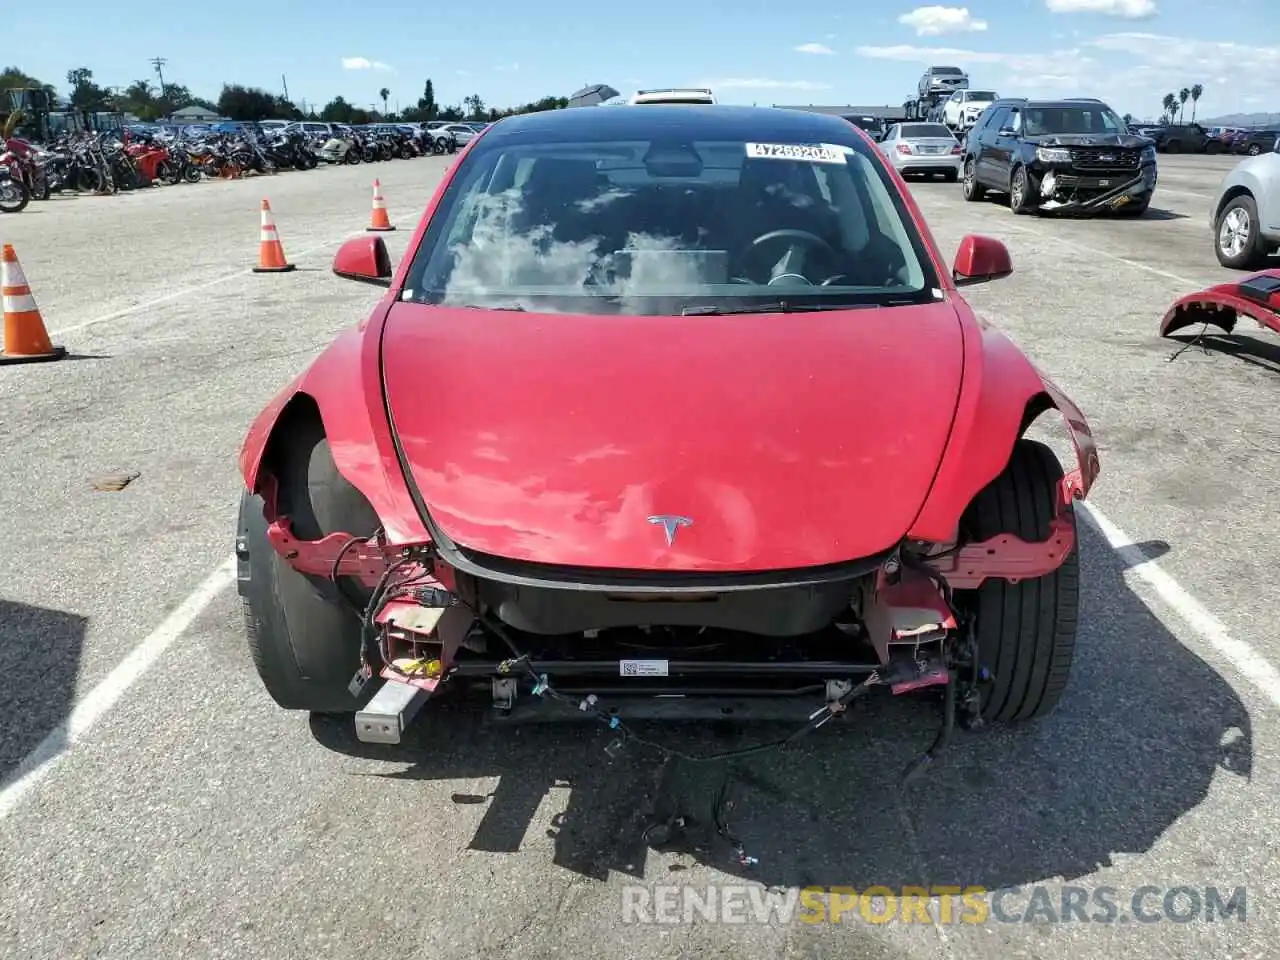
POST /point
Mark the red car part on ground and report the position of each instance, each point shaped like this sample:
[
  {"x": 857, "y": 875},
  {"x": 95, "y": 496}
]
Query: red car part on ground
[{"x": 1257, "y": 297}]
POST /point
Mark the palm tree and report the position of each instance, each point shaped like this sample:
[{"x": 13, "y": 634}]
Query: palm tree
[
  {"x": 384, "y": 93},
  {"x": 1183, "y": 96},
  {"x": 1170, "y": 104},
  {"x": 1196, "y": 92}
]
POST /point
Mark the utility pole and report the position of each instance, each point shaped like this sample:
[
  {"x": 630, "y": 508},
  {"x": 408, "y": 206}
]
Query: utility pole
[
  {"x": 158, "y": 63},
  {"x": 284, "y": 82}
]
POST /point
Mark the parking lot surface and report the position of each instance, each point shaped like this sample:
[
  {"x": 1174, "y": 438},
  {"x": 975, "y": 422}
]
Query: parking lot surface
[{"x": 167, "y": 808}]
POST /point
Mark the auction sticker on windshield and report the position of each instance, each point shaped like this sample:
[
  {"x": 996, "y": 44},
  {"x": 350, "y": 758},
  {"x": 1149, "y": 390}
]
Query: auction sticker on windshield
[{"x": 815, "y": 153}]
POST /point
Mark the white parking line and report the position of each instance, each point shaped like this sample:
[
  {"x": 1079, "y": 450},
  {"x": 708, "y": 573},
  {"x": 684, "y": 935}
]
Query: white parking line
[
  {"x": 1097, "y": 252},
  {"x": 1182, "y": 193},
  {"x": 185, "y": 291},
  {"x": 1251, "y": 664},
  {"x": 37, "y": 765}
]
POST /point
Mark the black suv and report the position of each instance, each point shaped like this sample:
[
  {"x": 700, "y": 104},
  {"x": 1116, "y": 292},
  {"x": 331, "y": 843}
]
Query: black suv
[{"x": 1073, "y": 155}]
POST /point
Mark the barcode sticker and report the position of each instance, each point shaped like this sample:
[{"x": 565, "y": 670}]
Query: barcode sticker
[
  {"x": 813, "y": 152},
  {"x": 642, "y": 668}
]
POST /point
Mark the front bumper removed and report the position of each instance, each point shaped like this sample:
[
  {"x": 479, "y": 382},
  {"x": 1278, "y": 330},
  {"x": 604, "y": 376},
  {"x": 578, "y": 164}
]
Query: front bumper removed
[{"x": 1256, "y": 297}]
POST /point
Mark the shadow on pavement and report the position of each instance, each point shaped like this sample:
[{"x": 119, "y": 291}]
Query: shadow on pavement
[
  {"x": 1257, "y": 351},
  {"x": 39, "y": 660},
  {"x": 1157, "y": 213},
  {"x": 1143, "y": 730}
]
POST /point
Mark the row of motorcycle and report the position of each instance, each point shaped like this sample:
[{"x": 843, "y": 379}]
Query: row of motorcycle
[{"x": 106, "y": 163}]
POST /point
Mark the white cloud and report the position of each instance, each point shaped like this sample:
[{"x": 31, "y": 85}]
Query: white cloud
[
  {"x": 507, "y": 67},
  {"x": 762, "y": 83},
  {"x": 937, "y": 20},
  {"x": 1126, "y": 9},
  {"x": 813, "y": 48},
  {"x": 1130, "y": 70},
  {"x": 363, "y": 63}
]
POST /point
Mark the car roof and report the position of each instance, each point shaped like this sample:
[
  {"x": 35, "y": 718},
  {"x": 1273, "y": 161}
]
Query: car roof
[
  {"x": 1061, "y": 102},
  {"x": 693, "y": 121}
]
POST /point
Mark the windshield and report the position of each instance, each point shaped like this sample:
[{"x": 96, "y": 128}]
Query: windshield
[
  {"x": 913, "y": 131},
  {"x": 1038, "y": 121},
  {"x": 980, "y": 95},
  {"x": 662, "y": 227}
]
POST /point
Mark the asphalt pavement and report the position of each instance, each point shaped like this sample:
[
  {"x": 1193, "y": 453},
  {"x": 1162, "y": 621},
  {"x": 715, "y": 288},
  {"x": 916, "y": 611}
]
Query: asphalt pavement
[{"x": 159, "y": 805}]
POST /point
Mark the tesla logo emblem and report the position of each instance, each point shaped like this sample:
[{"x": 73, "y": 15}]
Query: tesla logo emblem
[
  {"x": 670, "y": 525},
  {"x": 1106, "y": 156}
]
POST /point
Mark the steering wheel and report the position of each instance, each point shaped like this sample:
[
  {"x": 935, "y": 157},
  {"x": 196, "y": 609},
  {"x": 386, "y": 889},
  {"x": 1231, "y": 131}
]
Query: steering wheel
[{"x": 799, "y": 244}]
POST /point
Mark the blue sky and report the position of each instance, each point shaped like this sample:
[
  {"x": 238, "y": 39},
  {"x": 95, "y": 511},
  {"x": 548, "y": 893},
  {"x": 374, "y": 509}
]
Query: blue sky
[{"x": 1129, "y": 52}]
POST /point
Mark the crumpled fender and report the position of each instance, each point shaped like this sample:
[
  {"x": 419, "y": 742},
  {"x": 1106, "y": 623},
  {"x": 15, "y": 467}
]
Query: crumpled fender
[
  {"x": 1257, "y": 297},
  {"x": 1001, "y": 393},
  {"x": 345, "y": 384}
]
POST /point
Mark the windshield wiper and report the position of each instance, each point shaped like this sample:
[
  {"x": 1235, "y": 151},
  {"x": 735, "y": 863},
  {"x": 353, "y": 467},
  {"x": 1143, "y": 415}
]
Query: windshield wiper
[{"x": 787, "y": 306}]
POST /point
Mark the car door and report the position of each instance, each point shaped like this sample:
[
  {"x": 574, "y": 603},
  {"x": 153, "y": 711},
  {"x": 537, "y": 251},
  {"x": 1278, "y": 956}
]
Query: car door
[
  {"x": 1004, "y": 144},
  {"x": 983, "y": 145},
  {"x": 952, "y": 109}
]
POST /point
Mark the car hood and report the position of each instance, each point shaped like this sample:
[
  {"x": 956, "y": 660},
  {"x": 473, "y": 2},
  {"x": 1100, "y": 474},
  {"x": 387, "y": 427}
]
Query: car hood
[
  {"x": 789, "y": 440},
  {"x": 1089, "y": 140}
]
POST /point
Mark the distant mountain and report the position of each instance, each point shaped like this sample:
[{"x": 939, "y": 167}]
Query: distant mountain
[{"x": 1242, "y": 120}]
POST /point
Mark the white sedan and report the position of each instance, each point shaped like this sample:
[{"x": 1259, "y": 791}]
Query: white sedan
[{"x": 923, "y": 148}]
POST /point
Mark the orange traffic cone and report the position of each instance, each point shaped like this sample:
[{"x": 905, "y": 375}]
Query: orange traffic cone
[
  {"x": 379, "y": 222},
  {"x": 270, "y": 249},
  {"x": 25, "y": 338}
]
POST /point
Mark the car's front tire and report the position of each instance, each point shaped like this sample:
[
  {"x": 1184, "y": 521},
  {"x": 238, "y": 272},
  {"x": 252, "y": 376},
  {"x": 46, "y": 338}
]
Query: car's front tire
[
  {"x": 1025, "y": 631},
  {"x": 1020, "y": 191},
  {"x": 305, "y": 644},
  {"x": 1237, "y": 241}
]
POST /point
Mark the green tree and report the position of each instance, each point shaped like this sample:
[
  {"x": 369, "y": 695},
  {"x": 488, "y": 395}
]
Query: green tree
[
  {"x": 12, "y": 78},
  {"x": 474, "y": 107},
  {"x": 1197, "y": 91},
  {"x": 85, "y": 94},
  {"x": 336, "y": 110},
  {"x": 1183, "y": 96},
  {"x": 1170, "y": 104},
  {"x": 250, "y": 103},
  {"x": 426, "y": 109},
  {"x": 383, "y": 94}
]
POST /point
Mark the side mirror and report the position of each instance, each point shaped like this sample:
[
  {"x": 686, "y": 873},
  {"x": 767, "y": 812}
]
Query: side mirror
[
  {"x": 980, "y": 260},
  {"x": 364, "y": 259}
]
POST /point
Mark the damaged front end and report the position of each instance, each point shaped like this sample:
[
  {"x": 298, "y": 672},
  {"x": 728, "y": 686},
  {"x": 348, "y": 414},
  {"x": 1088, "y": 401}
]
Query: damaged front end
[
  {"x": 668, "y": 647},
  {"x": 1088, "y": 181}
]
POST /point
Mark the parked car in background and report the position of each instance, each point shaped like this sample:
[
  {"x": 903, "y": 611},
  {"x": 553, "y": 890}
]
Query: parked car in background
[
  {"x": 942, "y": 80},
  {"x": 1069, "y": 155},
  {"x": 963, "y": 107},
  {"x": 873, "y": 126},
  {"x": 1254, "y": 142},
  {"x": 1245, "y": 211},
  {"x": 461, "y": 132},
  {"x": 695, "y": 95},
  {"x": 927, "y": 149}
]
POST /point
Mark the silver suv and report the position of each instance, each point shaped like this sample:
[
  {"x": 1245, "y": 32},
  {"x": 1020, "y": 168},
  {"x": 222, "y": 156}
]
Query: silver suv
[{"x": 942, "y": 80}]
